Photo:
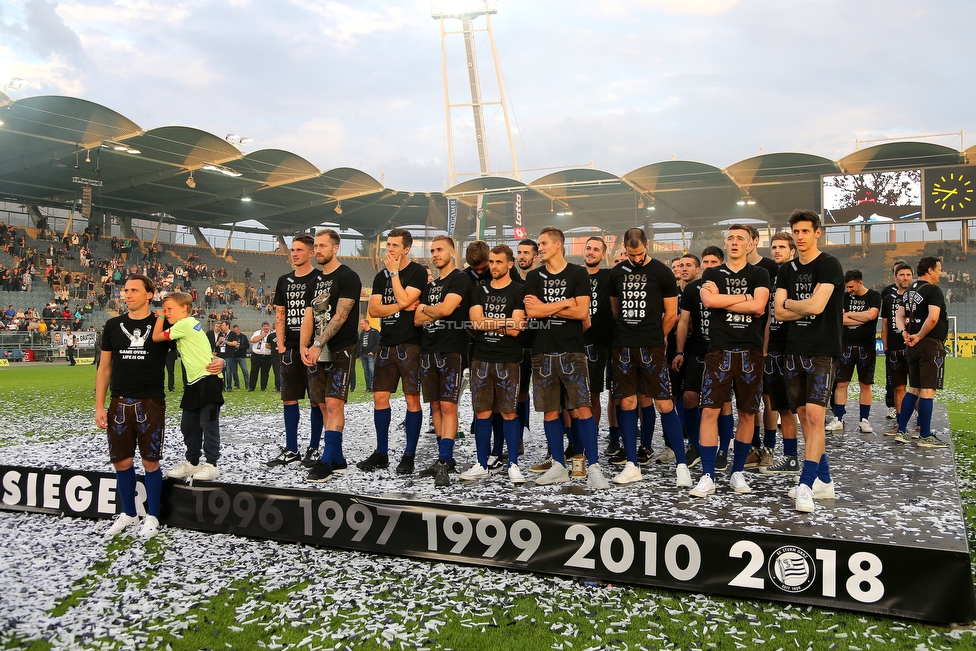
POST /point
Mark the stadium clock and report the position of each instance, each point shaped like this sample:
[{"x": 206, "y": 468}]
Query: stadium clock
[{"x": 950, "y": 192}]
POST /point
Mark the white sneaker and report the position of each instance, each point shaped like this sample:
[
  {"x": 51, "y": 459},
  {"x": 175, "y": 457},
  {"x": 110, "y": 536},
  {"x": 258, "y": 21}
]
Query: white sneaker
[
  {"x": 683, "y": 476},
  {"x": 704, "y": 488},
  {"x": 515, "y": 474},
  {"x": 629, "y": 475},
  {"x": 821, "y": 490},
  {"x": 475, "y": 472},
  {"x": 555, "y": 475},
  {"x": 834, "y": 425},
  {"x": 150, "y": 527},
  {"x": 739, "y": 483},
  {"x": 666, "y": 456},
  {"x": 595, "y": 478},
  {"x": 182, "y": 471},
  {"x": 804, "y": 499},
  {"x": 892, "y": 413},
  {"x": 865, "y": 426},
  {"x": 206, "y": 472},
  {"x": 121, "y": 522}
]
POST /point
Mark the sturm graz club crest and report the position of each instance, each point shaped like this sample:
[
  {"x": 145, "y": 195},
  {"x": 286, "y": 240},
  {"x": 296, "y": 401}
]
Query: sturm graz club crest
[{"x": 791, "y": 569}]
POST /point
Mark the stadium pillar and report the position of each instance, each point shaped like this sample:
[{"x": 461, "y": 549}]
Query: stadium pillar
[{"x": 965, "y": 236}]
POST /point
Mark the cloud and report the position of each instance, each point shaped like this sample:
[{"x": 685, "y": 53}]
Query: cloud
[{"x": 45, "y": 34}]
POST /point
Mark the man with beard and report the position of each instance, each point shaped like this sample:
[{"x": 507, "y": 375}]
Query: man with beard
[
  {"x": 442, "y": 313},
  {"x": 328, "y": 383},
  {"x": 497, "y": 314},
  {"x": 596, "y": 338},
  {"x": 893, "y": 341}
]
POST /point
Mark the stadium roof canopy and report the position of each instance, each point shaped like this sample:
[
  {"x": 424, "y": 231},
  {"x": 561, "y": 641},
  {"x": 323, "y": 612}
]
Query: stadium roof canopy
[{"x": 51, "y": 147}]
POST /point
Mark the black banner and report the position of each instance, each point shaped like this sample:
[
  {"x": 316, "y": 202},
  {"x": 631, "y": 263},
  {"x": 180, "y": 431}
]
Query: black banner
[{"x": 915, "y": 582}]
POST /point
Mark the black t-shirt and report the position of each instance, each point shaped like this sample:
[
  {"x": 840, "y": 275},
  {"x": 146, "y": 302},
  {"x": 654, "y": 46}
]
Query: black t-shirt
[
  {"x": 398, "y": 328},
  {"x": 498, "y": 304},
  {"x": 601, "y": 316},
  {"x": 865, "y": 333},
  {"x": 295, "y": 293},
  {"x": 556, "y": 334},
  {"x": 920, "y": 296},
  {"x": 447, "y": 334},
  {"x": 478, "y": 278},
  {"x": 697, "y": 342},
  {"x": 641, "y": 292},
  {"x": 242, "y": 344},
  {"x": 731, "y": 330},
  {"x": 779, "y": 331},
  {"x": 220, "y": 339},
  {"x": 527, "y": 338},
  {"x": 890, "y": 301},
  {"x": 138, "y": 363},
  {"x": 817, "y": 335},
  {"x": 343, "y": 283}
]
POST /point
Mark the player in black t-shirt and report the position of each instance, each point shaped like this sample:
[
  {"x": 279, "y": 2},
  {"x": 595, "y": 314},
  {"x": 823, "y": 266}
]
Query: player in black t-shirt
[
  {"x": 395, "y": 298},
  {"x": 293, "y": 293},
  {"x": 131, "y": 366},
  {"x": 893, "y": 341},
  {"x": 526, "y": 259},
  {"x": 443, "y": 312},
  {"x": 808, "y": 296},
  {"x": 558, "y": 297},
  {"x": 497, "y": 315},
  {"x": 736, "y": 294},
  {"x": 861, "y": 309},
  {"x": 596, "y": 338},
  {"x": 644, "y": 298},
  {"x": 691, "y": 341},
  {"x": 922, "y": 317},
  {"x": 774, "y": 382},
  {"x": 331, "y": 323},
  {"x": 763, "y": 442}
]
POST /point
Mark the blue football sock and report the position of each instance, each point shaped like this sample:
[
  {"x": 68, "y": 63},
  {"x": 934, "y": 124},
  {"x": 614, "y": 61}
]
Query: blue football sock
[
  {"x": 756, "y": 436},
  {"x": 125, "y": 488},
  {"x": 740, "y": 451},
  {"x": 587, "y": 433},
  {"x": 907, "y": 409},
  {"x": 317, "y": 424},
  {"x": 482, "y": 439},
  {"x": 412, "y": 424},
  {"x": 512, "y": 433},
  {"x": 789, "y": 447},
  {"x": 925, "y": 406},
  {"x": 840, "y": 411},
  {"x": 809, "y": 472},
  {"x": 293, "y": 416},
  {"x": 333, "y": 445},
  {"x": 708, "y": 453},
  {"x": 769, "y": 438},
  {"x": 627, "y": 421},
  {"x": 498, "y": 434},
  {"x": 154, "y": 491},
  {"x": 381, "y": 421},
  {"x": 823, "y": 469},
  {"x": 726, "y": 431},
  {"x": 672, "y": 434},
  {"x": 865, "y": 411},
  {"x": 693, "y": 423},
  {"x": 648, "y": 417},
  {"x": 445, "y": 449},
  {"x": 554, "y": 437}
]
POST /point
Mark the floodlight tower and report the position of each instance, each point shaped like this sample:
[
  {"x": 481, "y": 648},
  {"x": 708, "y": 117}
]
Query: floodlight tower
[{"x": 466, "y": 11}]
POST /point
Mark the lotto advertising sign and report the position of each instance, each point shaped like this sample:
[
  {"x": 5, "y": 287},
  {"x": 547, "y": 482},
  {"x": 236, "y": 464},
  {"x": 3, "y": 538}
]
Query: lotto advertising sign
[{"x": 832, "y": 573}]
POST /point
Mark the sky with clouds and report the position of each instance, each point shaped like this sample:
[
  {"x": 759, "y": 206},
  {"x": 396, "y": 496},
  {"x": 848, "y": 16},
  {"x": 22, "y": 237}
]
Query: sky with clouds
[{"x": 613, "y": 83}]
